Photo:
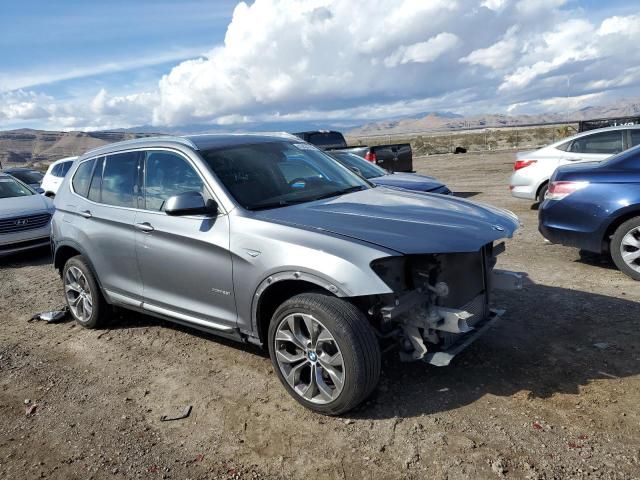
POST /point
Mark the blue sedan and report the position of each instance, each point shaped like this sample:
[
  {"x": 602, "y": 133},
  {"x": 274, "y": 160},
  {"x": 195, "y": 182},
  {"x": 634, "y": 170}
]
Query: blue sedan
[
  {"x": 380, "y": 176},
  {"x": 596, "y": 207}
]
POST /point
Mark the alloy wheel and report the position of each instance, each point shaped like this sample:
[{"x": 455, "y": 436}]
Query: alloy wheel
[
  {"x": 309, "y": 358},
  {"x": 78, "y": 294},
  {"x": 630, "y": 248}
]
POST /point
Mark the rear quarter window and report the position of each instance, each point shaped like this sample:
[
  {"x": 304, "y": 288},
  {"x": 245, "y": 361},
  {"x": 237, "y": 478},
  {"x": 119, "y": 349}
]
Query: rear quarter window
[
  {"x": 64, "y": 168},
  {"x": 82, "y": 177}
]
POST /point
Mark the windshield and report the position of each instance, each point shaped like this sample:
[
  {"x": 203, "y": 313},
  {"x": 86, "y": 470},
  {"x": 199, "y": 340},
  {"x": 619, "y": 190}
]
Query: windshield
[
  {"x": 10, "y": 188},
  {"x": 365, "y": 168},
  {"x": 28, "y": 176},
  {"x": 276, "y": 174}
]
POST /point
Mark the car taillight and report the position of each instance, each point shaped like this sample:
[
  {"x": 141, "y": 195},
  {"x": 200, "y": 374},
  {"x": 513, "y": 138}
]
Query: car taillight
[
  {"x": 559, "y": 190},
  {"x": 370, "y": 157},
  {"x": 523, "y": 163}
]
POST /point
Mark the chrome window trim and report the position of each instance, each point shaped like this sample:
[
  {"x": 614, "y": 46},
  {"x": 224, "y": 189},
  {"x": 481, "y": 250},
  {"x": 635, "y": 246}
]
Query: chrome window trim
[{"x": 189, "y": 161}]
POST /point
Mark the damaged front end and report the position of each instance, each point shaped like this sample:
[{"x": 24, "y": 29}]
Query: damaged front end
[{"x": 441, "y": 302}]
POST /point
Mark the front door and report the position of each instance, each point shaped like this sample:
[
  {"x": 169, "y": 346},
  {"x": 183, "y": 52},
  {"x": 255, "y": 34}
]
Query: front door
[{"x": 184, "y": 261}]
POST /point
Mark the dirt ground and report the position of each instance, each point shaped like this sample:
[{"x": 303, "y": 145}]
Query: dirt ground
[{"x": 553, "y": 391}]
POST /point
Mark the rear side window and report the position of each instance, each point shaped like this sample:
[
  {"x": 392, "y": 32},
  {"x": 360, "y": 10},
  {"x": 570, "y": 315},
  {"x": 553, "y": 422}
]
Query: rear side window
[
  {"x": 564, "y": 146},
  {"x": 119, "y": 179},
  {"x": 635, "y": 137},
  {"x": 82, "y": 178},
  {"x": 168, "y": 174},
  {"x": 603, "y": 143},
  {"x": 55, "y": 171}
]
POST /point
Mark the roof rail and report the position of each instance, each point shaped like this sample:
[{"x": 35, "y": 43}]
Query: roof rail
[{"x": 143, "y": 141}]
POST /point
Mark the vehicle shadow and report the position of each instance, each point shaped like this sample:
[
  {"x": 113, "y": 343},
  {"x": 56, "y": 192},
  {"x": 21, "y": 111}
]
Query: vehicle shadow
[
  {"x": 128, "y": 319},
  {"x": 36, "y": 258},
  {"x": 596, "y": 260},
  {"x": 551, "y": 340}
]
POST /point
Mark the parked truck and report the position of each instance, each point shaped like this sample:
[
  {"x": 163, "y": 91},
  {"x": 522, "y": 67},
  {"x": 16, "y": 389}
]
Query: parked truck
[{"x": 396, "y": 157}]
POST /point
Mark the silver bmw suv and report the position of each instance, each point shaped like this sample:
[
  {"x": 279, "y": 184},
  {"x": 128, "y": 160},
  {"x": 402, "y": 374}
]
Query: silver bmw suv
[{"x": 266, "y": 239}]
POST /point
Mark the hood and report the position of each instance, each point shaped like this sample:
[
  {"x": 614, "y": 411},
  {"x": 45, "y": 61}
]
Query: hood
[
  {"x": 409, "y": 181},
  {"x": 27, "y": 205},
  {"x": 401, "y": 220}
]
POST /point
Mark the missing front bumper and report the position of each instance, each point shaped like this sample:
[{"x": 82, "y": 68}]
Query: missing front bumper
[{"x": 443, "y": 358}]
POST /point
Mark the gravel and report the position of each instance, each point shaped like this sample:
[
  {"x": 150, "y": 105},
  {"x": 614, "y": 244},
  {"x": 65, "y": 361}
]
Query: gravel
[{"x": 552, "y": 392}]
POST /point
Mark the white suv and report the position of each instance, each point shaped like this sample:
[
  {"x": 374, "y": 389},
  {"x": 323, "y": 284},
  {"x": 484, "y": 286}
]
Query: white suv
[
  {"x": 533, "y": 169},
  {"x": 55, "y": 174}
]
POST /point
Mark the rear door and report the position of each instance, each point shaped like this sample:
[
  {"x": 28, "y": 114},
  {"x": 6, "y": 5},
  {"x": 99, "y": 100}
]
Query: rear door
[
  {"x": 105, "y": 218},
  {"x": 595, "y": 147},
  {"x": 184, "y": 260}
]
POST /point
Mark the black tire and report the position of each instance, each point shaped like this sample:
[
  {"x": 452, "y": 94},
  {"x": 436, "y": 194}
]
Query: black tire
[
  {"x": 543, "y": 191},
  {"x": 355, "y": 339},
  {"x": 616, "y": 247},
  {"x": 99, "y": 310}
]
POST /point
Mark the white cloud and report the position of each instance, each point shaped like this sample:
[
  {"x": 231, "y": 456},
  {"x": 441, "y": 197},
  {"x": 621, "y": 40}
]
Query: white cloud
[
  {"x": 422, "y": 52},
  {"x": 287, "y": 60},
  {"x": 499, "y": 55}
]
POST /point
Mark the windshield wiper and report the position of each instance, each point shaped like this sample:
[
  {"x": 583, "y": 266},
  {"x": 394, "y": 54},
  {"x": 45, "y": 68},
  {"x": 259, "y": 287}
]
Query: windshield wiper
[
  {"x": 286, "y": 203},
  {"x": 337, "y": 193},
  {"x": 276, "y": 204}
]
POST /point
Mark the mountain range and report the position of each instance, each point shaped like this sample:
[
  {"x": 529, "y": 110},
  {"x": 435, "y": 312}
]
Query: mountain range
[{"x": 39, "y": 146}]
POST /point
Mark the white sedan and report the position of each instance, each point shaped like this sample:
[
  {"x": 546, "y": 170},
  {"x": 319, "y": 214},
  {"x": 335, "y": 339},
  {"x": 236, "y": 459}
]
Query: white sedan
[
  {"x": 533, "y": 169},
  {"x": 25, "y": 216}
]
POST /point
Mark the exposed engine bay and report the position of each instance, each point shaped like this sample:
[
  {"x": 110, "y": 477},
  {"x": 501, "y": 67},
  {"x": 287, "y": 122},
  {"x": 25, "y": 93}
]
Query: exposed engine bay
[{"x": 441, "y": 302}]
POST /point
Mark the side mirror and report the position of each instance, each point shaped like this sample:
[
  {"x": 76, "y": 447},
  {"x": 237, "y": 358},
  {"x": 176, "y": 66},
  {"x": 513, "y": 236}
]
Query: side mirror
[
  {"x": 356, "y": 170},
  {"x": 190, "y": 203}
]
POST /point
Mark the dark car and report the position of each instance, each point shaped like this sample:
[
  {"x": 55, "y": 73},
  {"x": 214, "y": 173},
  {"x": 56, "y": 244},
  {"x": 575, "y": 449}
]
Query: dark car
[
  {"x": 397, "y": 157},
  {"x": 380, "y": 176},
  {"x": 596, "y": 207},
  {"x": 31, "y": 177}
]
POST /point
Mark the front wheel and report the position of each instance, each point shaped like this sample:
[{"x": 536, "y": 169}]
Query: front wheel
[
  {"x": 324, "y": 352},
  {"x": 625, "y": 248}
]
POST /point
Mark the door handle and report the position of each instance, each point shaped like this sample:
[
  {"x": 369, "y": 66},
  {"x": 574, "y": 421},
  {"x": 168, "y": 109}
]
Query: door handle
[
  {"x": 86, "y": 214},
  {"x": 144, "y": 227}
]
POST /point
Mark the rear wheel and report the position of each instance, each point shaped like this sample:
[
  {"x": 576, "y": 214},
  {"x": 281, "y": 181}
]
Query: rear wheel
[
  {"x": 543, "y": 192},
  {"x": 83, "y": 296},
  {"x": 625, "y": 248},
  {"x": 324, "y": 352}
]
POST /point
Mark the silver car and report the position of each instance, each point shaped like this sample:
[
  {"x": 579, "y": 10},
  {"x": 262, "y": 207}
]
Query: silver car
[
  {"x": 25, "y": 216},
  {"x": 266, "y": 239}
]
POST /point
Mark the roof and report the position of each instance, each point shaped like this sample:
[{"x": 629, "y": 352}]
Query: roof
[
  {"x": 207, "y": 141},
  {"x": 196, "y": 142}
]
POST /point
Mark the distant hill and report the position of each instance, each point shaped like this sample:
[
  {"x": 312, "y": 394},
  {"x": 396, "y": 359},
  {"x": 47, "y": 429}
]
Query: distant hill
[
  {"x": 38, "y": 146},
  {"x": 437, "y": 121}
]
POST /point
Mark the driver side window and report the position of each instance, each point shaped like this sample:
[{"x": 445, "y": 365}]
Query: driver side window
[{"x": 168, "y": 174}]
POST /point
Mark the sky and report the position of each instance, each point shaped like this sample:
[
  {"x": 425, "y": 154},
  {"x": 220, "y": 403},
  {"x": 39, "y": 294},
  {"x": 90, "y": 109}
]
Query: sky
[{"x": 87, "y": 65}]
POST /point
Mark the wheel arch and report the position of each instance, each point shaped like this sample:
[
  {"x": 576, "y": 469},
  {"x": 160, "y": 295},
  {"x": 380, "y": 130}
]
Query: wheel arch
[
  {"x": 539, "y": 189},
  {"x": 279, "y": 287},
  {"x": 628, "y": 214},
  {"x": 65, "y": 251}
]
